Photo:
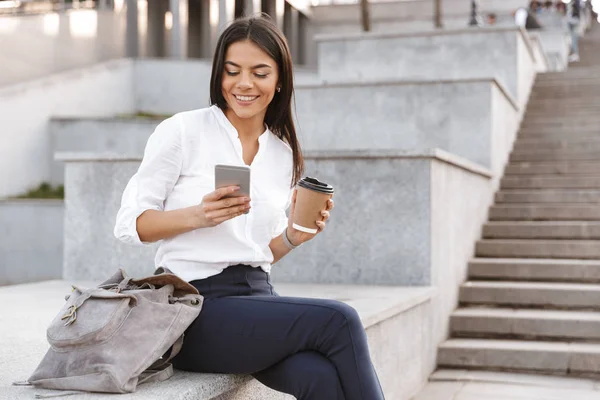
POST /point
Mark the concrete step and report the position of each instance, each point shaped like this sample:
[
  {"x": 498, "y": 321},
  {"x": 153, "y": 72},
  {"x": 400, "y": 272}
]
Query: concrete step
[
  {"x": 555, "y": 155},
  {"x": 568, "y": 88},
  {"x": 538, "y": 248},
  {"x": 571, "y": 143},
  {"x": 550, "y": 182},
  {"x": 554, "y": 112},
  {"x": 525, "y": 324},
  {"x": 545, "y": 212},
  {"x": 556, "y": 147},
  {"x": 577, "y": 230},
  {"x": 538, "y": 196},
  {"x": 553, "y": 168},
  {"x": 572, "y": 123},
  {"x": 549, "y": 132},
  {"x": 545, "y": 295},
  {"x": 535, "y": 269},
  {"x": 574, "y": 72},
  {"x": 563, "y": 358}
]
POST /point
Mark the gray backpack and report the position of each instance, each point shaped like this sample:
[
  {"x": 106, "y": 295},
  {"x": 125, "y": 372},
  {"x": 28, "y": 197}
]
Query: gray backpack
[{"x": 118, "y": 335}]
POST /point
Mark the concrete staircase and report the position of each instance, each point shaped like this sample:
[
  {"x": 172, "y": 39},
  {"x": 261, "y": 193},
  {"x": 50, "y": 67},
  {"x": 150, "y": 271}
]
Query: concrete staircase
[{"x": 532, "y": 302}]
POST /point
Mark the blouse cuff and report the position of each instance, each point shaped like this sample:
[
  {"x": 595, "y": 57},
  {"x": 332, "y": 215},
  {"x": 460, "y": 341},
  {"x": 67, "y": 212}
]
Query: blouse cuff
[{"x": 126, "y": 231}]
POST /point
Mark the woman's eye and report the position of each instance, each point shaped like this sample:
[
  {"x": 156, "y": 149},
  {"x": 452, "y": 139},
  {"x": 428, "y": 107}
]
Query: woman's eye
[
  {"x": 232, "y": 73},
  {"x": 262, "y": 76}
]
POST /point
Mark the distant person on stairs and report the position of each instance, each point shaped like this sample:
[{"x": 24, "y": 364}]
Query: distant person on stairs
[{"x": 573, "y": 21}]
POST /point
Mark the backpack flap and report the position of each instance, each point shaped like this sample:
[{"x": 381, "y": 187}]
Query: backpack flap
[{"x": 89, "y": 317}]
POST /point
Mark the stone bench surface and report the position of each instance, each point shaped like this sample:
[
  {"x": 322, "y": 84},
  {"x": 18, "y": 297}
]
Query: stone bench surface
[{"x": 27, "y": 310}]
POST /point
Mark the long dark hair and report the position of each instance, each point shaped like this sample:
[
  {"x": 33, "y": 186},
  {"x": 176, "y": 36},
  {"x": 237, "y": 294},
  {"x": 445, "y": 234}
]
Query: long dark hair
[{"x": 264, "y": 33}]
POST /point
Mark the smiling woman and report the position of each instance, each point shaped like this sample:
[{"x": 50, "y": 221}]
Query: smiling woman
[{"x": 226, "y": 245}]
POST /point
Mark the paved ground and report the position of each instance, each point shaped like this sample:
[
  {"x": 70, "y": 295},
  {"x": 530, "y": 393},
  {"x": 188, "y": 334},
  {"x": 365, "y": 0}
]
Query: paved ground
[{"x": 484, "y": 385}]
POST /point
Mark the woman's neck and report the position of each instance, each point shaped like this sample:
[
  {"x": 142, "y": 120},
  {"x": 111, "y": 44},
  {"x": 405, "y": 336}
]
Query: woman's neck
[{"x": 247, "y": 128}]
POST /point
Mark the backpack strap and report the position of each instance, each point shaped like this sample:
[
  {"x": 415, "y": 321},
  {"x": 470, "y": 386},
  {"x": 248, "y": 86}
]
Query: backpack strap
[{"x": 162, "y": 369}]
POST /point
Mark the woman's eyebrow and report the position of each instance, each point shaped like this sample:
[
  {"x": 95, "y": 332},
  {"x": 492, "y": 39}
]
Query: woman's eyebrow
[{"x": 255, "y": 67}]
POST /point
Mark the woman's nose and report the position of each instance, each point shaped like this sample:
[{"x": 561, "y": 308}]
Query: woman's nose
[{"x": 245, "y": 81}]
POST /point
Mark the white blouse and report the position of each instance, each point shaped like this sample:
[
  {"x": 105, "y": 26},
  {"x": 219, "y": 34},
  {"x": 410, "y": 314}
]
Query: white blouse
[{"x": 178, "y": 170}]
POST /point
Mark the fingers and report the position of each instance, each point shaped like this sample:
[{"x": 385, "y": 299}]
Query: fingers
[
  {"x": 330, "y": 205},
  {"x": 325, "y": 215},
  {"x": 228, "y": 212},
  {"x": 320, "y": 226},
  {"x": 226, "y": 203},
  {"x": 221, "y": 192}
]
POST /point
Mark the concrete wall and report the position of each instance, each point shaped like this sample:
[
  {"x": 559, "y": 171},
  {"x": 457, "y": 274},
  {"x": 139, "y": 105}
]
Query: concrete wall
[
  {"x": 381, "y": 231},
  {"x": 92, "y": 199},
  {"x": 505, "y": 54},
  {"x": 31, "y": 248},
  {"x": 111, "y": 135},
  {"x": 34, "y": 46},
  {"x": 400, "y": 16},
  {"x": 459, "y": 207},
  {"x": 25, "y": 109},
  {"x": 504, "y": 128},
  {"x": 466, "y": 117},
  {"x": 387, "y": 195},
  {"x": 171, "y": 86}
]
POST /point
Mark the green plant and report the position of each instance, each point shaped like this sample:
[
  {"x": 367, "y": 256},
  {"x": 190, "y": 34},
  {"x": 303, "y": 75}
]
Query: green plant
[{"x": 44, "y": 191}]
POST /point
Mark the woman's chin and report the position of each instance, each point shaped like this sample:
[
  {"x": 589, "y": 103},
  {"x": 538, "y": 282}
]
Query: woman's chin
[{"x": 245, "y": 113}]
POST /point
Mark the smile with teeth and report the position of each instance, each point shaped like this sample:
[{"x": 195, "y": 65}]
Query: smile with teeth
[{"x": 246, "y": 98}]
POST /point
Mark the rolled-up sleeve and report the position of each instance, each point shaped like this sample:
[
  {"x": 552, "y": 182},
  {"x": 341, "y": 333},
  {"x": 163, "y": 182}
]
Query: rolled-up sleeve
[{"x": 154, "y": 180}]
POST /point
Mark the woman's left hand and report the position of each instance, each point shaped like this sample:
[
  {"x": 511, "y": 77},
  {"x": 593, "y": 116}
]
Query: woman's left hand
[{"x": 298, "y": 237}]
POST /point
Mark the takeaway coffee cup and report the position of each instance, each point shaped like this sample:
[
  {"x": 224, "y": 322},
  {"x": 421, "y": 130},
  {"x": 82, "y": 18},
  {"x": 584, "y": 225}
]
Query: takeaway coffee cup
[{"x": 311, "y": 199}]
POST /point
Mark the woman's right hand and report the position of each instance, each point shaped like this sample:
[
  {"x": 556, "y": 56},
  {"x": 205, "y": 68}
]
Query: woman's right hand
[{"x": 215, "y": 208}]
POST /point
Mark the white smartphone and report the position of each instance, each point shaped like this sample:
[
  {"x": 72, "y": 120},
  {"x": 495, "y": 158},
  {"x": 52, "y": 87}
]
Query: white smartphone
[{"x": 233, "y": 175}]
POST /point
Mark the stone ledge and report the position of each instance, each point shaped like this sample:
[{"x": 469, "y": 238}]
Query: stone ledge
[
  {"x": 25, "y": 321},
  {"x": 405, "y": 82},
  {"x": 334, "y": 37},
  {"x": 437, "y": 154}
]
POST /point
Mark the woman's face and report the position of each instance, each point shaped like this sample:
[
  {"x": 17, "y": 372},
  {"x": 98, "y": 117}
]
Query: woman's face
[{"x": 249, "y": 80}]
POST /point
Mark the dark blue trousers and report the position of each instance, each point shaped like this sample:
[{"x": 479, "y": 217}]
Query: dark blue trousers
[{"x": 312, "y": 349}]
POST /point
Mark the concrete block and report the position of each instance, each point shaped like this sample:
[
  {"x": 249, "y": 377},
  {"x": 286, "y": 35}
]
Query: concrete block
[
  {"x": 392, "y": 182},
  {"x": 474, "y": 119},
  {"x": 532, "y": 294},
  {"x": 391, "y": 316},
  {"x": 105, "y": 135},
  {"x": 31, "y": 249},
  {"x": 27, "y": 107},
  {"x": 447, "y": 54},
  {"x": 515, "y": 269}
]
